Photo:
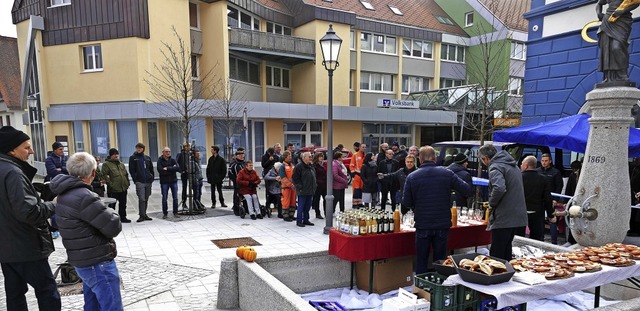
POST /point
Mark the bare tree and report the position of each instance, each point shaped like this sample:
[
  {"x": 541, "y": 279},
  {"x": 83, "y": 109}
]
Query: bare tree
[
  {"x": 489, "y": 68},
  {"x": 178, "y": 97},
  {"x": 228, "y": 112}
]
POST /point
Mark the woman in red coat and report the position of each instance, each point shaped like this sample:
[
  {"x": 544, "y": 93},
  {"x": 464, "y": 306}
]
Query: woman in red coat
[{"x": 248, "y": 181}]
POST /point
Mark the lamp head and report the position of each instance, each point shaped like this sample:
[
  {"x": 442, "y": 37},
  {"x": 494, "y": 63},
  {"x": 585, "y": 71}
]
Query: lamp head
[{"x": 330, "y": 45}]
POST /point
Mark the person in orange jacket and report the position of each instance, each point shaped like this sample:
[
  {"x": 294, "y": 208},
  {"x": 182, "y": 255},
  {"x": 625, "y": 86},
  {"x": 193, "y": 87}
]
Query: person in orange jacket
[
  {"x": 288, "y": 191},
  {"x": 354, "y": 167}
]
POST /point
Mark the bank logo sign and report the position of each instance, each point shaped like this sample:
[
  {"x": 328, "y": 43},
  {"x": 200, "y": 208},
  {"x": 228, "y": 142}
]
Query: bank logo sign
[{"x": 397, "y": 103}]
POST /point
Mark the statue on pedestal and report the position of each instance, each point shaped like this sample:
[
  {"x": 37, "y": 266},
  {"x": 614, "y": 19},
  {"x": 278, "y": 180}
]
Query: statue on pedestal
[{"x": 613, "y": 39}]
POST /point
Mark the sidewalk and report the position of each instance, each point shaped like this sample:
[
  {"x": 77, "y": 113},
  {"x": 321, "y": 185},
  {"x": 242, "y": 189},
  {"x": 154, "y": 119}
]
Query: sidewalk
[{"x": 167, "y": 265}]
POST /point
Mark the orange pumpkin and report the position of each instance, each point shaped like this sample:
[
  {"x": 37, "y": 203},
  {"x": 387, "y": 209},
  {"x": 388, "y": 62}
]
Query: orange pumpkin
[
  {"x": 240, "y": 251},
  {"x": 250, "y": 254}
]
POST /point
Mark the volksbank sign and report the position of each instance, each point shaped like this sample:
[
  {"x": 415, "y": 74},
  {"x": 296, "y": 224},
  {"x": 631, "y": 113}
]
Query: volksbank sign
[{"x": 397, "y": 103}]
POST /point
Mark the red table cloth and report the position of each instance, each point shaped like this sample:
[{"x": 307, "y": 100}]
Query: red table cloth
[{"x": 389, "y": 245}]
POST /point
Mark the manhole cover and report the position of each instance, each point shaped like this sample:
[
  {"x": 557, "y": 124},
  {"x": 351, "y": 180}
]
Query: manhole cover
[{"x": 231, "y": 243}]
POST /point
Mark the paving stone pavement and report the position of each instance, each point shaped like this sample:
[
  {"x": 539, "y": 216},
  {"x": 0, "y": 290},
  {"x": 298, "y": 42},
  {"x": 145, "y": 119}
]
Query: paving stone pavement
[{"x": 168, "y": 265}]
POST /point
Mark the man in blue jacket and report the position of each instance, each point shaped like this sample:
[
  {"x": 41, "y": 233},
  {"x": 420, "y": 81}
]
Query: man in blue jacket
[
  {"x": 506, "y": 198},
  {"x": 141, "y": 171},
  {"x": 56, "y": 162},
  {"x": 428, "y": 190},
  {"x": 167, "y": 169}
]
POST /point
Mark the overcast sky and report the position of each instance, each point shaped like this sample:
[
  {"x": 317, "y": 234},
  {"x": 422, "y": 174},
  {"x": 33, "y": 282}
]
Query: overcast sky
[{"x": 7, "y": 29}]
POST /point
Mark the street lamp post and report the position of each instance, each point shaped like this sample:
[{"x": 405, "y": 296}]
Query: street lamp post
[{"x": 330, "y": 45}]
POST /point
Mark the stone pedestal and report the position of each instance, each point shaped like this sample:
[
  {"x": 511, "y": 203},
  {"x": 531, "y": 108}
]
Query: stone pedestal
[{"x": 604, "y": 178}]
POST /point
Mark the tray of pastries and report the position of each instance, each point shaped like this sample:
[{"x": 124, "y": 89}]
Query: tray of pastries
[{"x": 481, "y": 269}]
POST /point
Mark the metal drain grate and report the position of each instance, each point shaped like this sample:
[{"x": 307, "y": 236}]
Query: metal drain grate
[{"x": 235, "y": 242}]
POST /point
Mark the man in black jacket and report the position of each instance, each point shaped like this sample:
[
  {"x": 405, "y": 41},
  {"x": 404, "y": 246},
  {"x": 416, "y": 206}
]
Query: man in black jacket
[
  {"x": 88, "y": 227},
  {"x": 538, "y": 198},
  {"x": 388, "y": 186},
  {"x": 554, "y": 179},
  {"x": 167, "y": 169},
  {"x": 304, "y": 180},
  {"x": 141, "y": 171},
  {"x": 459, "y": 166},
  {"x": 235, "y": 167},
  {"x": 216, "y": 171},
  {"x": 26, "y": 241},
  {"x": 268, "y": 160}
]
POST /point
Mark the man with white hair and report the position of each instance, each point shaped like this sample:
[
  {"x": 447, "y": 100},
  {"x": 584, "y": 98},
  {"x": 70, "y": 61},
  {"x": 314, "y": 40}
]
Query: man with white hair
[
  {"x": 87, "y": 227},
  {"x": 304, "y": 180}
]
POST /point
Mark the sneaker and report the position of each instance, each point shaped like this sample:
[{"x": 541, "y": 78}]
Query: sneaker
[
  {"x": 147, "y": 217},
  {"x": 141, "y": 219},
  {"x": 55, "y": 234},
  {"x": 164, "y": 216},
  {"x": 253, "y": 217},
  {"x": 125, "y": 220},
  {"x": 308, "y": 223},
  {"x": 223, "y": 205},
  {"x": 299, "y": 224},
  {"x": 175, "y": 215},
  {"x": 259, "y": 216}
]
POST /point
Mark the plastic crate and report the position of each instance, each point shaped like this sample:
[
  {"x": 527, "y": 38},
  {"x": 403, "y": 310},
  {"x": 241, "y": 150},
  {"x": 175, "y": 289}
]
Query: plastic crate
[
  {"x": 469, "y": 306},
  {"x": 489, "y": 305},
  {"x": 466, "y": 295},
  {"x": 442, "y": 297}
]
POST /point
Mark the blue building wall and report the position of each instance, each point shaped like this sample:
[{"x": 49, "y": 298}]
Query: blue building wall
[{"x": 562, "y": 69}]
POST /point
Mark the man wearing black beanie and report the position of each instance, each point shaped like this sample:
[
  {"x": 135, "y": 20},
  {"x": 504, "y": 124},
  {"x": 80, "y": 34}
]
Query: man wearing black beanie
[{"x": 26, "y": 243}]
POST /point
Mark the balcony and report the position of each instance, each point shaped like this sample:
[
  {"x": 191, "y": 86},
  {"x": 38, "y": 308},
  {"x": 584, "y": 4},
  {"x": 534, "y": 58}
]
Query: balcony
[{"x": 272, "y": 47}]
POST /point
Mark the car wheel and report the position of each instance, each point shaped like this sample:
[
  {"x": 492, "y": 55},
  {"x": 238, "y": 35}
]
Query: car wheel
[{"x": 349, "y": 178}]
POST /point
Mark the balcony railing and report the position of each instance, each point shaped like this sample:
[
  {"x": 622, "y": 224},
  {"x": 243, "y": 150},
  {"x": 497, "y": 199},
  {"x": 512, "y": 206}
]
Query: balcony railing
[{"x": 272, "y": 42}]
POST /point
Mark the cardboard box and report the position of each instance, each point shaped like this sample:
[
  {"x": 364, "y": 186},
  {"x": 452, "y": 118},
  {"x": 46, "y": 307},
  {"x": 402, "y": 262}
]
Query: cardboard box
[
  {"x": 405, "y": 302},
  {"x": 388, "y": 274}
]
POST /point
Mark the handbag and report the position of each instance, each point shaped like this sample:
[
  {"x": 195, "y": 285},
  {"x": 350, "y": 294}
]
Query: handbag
[{"x": 68, "y": 274}]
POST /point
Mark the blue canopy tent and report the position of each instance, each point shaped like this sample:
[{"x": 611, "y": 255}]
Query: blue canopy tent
[{"x": 570, "y": 133}]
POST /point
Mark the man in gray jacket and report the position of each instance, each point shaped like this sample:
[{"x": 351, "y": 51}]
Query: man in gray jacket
[
  {"x": 304, "y": 180},
  {"x": 506, "y": 198}
]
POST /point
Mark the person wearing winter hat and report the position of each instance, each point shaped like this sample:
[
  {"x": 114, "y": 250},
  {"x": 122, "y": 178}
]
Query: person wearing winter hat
[
  {"x": 117, "y": 179},
  {"x": 56, "y": 162},
  {"x": 26, "y": 242},
  {"x": 459, "y": 167}
]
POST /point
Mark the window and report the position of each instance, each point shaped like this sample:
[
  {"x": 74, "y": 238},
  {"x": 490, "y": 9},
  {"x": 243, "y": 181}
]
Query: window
[
  {"x": 243, "y": 70},
  {"x": 303, "y": 133},
  {"x": 518, "y": 50},
  {"x": 454, "y": 53},
  {"x": 100, "y": 140},
  {"x": 278, "y": 77},
  {"x": 278, "y": 29},
  {"x": 92, "y": 56},
  {"x": 377, "y": 43},
  {"x": 367, "y": 5},
  {"x": 468, "y": 19},
  {"x": 240, "y": 19},
  {"x": 395, "y": 10},
  {"x": 515, "y": 86},
  {"x": 78, "y": 136},
  {"x": 193, "y": 15},
  {"x": 352, "y": 40},
  {"x": 195, "y": 66},
  {"x": 152, "y": 142},
  {"x": 450, "y": 83},
  {"x": 444, "y": 20},
  {"x": 417, "y": 48},
  {"x": 60, "y": 2},
  {"x": 127, "y": 133},
  {"x": 412, "y": 84},
  {"x": 376, "y": 82}
]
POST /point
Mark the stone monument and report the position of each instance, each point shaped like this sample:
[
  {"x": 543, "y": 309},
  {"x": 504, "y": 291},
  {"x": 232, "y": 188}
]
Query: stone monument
[{"x": 600, "y": 207}]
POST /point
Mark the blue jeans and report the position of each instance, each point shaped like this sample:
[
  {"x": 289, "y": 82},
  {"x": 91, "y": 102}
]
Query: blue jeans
[
  {"x": 304, "y": 206},
  {"x": 35, "y": 273},
  {"x": 427, "y": 239},
  {"x": 101, "y": 286},
  {"x": 174, "y": 193}
]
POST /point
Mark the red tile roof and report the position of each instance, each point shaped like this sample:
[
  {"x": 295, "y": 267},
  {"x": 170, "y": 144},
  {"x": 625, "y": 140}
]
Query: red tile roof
[
  {"x": 274, "y": 4},
  {"x": 416, "y": 13},
  {"x": 510, "y": 12},
  {"x": 10, "y": 82}
]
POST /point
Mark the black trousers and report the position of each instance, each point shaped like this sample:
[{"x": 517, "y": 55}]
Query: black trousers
[
  {"x": 386, "y": 191},
  {"x": 321, "y": 192},
  {"x": 216, "y": 187},
  {"x": 121, "y": 197},
  {"x": 35, "y": 273},
  {"x": 501, "y": 240},
  {"x": 338, "y": 197},
  {"x": 184, "y": 178},
  {"x": 536, "y": 226}
]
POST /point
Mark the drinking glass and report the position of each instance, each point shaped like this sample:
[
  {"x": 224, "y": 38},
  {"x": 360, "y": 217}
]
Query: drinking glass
[
  {"x": 479, "y": 214},
  {"x": 464, "y": 214}
]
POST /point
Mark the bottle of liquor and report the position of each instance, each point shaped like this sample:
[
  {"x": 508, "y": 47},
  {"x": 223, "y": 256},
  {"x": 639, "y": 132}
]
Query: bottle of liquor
[
  {"x": 487, "y": 210},
  {"x": 454, "y": 215},
  {"x": 363, "y": 224},
  {"x": 386, "y": 224},
  {"x": 373, "y": 225},
  {"x": 392, "y": 224},
  {"x": 396, "y": 220},
  {"x": 380, "y": 224}
]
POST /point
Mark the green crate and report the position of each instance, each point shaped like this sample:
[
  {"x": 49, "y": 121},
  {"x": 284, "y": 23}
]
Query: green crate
[
  {"x": 466, "y": 294},
  {"x": 469, "y": 306},
  {"x": 442, "y": 297},
  {"x": 489, "y": 304}
]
